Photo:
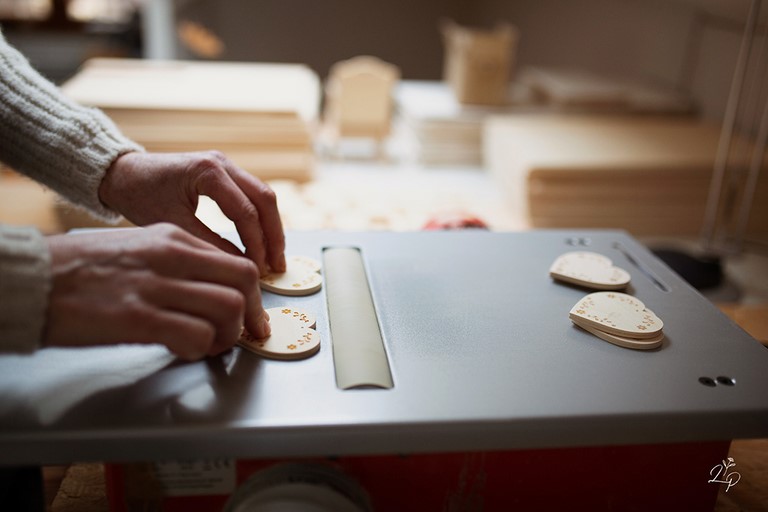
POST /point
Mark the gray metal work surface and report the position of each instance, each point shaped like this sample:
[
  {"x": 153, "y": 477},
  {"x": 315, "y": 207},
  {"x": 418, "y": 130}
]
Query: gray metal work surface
[{"x": 481, "y": 350}]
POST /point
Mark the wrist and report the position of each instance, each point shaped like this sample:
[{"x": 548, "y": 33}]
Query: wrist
[{"x": 108, "y": 188}]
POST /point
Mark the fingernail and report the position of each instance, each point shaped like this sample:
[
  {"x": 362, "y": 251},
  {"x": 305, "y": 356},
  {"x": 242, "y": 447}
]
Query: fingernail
[{"x": 267, "y": 327}]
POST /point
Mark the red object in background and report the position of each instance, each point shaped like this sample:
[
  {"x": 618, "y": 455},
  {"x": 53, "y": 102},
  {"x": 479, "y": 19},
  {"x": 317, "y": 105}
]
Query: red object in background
[
  {"x": 454, "y": 220},
  {"x": 663, "y": 477}
]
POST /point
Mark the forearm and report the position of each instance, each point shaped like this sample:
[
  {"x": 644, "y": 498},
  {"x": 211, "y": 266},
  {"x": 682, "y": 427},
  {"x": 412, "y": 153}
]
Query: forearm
[
  {"x": 50, "y": 138},
  {"x": 25, "y": 279}
]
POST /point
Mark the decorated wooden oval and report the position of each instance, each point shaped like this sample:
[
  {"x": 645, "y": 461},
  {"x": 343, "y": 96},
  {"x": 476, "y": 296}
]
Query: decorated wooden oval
[
  {"x": 623, "y": 341},
  {"x": 589, "y": 269},
  {"x": 616, "y": 313},
  {"x": 292, "y": 335},
  {"x": 302, "y": 317},
  {"x": 301, "y": 277}
]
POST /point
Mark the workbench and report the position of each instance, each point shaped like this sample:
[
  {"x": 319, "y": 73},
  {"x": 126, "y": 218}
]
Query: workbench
[{"x": 483, "y": 358}]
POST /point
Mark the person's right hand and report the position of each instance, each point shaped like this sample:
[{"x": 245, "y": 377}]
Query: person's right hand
[
  {"x": 165, "y": 187},
  {"x": 158, "y": 284}
]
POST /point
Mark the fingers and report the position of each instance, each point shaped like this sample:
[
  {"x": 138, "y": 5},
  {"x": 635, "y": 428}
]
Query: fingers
[
  {"x": 265, "y": 201},
  {"x": 195, "y": 227},
  {"x": 219, "y": 306},
  {"x": 236, "y": 206},
  {"x": 190, "y": 338},
  {"x": 151, "y": 187},
  {"x": 190, "y": 258},
  {"x": 105, "y": 303},
  {"x": 251, "y": 205},
  {"x": 202, "y": 319},
  {"x": 203, "y": 263},
  {"x": 154, "y": 285},
  {"x": 236, "y": 273}
]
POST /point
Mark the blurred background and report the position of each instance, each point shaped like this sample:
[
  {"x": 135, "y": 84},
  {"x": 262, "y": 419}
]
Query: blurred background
[
  {"x": 690, "y": 45},
  {"x": 643, "y": 115}
]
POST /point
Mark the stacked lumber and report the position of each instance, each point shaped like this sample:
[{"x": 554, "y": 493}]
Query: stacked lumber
[
  {"x": 648, "y": 175},
  {"x": 583, "y": 91},
  {"x": 442, "y": 131},
  {"x": 261, "y": 115},
  {"x": 439, "y": 129}
]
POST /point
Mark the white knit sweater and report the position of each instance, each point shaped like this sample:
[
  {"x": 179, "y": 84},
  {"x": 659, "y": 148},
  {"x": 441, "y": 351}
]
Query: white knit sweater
[{"x": 64, "y": 146}]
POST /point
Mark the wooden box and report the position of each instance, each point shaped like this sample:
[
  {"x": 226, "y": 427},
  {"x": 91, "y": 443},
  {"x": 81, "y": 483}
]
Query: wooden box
[{"x": 478, "y": 63}]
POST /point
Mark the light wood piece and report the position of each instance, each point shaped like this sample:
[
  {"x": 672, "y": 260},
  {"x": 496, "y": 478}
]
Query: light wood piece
[
  {"x": 261, "y": 115},
  {"x": 442, "y": 131},
  {"x": 301, "y": 277},
  {"x": 648, "y": 175},
  {"x": 292, "y": 338},
  {"x": 624, "y": 341},
  {"x": 359, "y": 96},
  {"x": 753, "y": 318},
  {"x": 581, "y": 90},
  {"x": 24, "y": 202},
  {"x": 618, "y": 314},
  {"x": 590, "y": 270},
  {"x": 478, "y": 63}
]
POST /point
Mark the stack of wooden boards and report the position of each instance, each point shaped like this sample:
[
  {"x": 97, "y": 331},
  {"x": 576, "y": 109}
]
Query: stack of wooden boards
[
  {"x": 439, "y": 129},
  {"x": 261, "y": 115},
  {"x": 580, "y": 90},
  {"x": 649, "y": 175},
  {"x": 443, "y": 131}
]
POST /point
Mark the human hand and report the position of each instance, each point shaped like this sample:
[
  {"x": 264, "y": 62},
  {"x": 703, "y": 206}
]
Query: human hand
[
  {"x": 164, "y": 187},
  {"x": 159, "y": 284}
]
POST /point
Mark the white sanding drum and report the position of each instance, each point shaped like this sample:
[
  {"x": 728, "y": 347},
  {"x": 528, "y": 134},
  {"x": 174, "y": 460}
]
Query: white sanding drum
[{"x": 358, "y": 348}]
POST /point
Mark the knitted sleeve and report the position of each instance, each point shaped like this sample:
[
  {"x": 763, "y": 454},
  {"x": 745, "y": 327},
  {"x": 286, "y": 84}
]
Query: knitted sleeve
[
  {"x": 52, "y": 139},
  {"x": 25, "y": 269},
  {"x": 63, "y": 145}
]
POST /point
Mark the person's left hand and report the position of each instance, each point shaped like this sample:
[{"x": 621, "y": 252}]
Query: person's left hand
[{"x": 164, "y": 187}]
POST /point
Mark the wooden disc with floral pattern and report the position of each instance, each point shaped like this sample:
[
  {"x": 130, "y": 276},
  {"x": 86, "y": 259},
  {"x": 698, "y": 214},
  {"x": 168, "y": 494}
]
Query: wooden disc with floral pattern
[
  {"x": 589, "y": 269},
  {"x": 292, "y": 336},
  {"x": 301, "y": 277},
  {"x": 618, "y": 314}
]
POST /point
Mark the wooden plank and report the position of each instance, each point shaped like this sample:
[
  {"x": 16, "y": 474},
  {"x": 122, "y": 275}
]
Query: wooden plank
[
  {"x": 649, "y": 175},
  {"x": 24, "y": 202},
  {"x": 260, "y": 115},
  {"x": 193, "y": 85}
]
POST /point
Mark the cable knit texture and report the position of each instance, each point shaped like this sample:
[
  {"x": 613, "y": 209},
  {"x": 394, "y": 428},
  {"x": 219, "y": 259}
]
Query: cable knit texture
[
  {"x": 25, "y": 270},
  {"x": 52, "y": 139},
  {"x": 63, "y": 145}
]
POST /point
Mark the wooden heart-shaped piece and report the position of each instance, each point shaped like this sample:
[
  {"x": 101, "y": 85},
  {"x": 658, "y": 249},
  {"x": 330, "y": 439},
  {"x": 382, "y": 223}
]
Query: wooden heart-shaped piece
[
  {"x": 293, "y": 335},
  {"x": 623, "y": 341},
  {"x": 622, "y": 318},
  {"x": 589, "y": 269},
  {"x": 301, "y": 277}
]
